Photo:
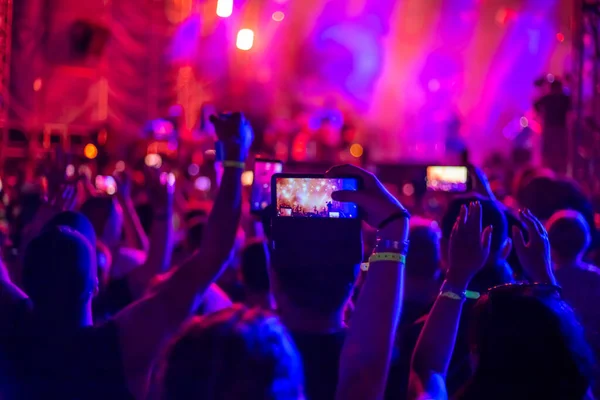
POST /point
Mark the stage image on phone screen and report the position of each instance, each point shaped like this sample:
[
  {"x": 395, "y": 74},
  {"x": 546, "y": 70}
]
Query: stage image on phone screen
[
  {"x": 447, "y": 179},
  {"x": 311, "y": 198},
  {"x": 261, "y": 186}
]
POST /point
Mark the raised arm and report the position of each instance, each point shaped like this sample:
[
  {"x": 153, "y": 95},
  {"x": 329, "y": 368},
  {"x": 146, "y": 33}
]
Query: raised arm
[
  {"x": 469, "y": 249},
  {"x": 365, "y": 358},
  {"x": 145, "y": 325},
  {"x": 135, "y": 237},
  {"x": 162, "y": 186}
]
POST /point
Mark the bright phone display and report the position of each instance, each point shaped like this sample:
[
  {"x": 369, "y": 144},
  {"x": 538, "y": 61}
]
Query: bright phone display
[
  {"x": 447, "y": 179},
  {"x": 304, "y": 197}
]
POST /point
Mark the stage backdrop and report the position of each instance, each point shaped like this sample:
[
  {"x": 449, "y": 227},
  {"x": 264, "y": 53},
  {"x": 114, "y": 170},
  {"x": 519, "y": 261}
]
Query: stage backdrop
[{"x": 409, "y": 70}]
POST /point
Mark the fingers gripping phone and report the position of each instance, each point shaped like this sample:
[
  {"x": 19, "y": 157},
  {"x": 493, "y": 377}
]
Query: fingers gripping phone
[{"x": 260, "y": 196}]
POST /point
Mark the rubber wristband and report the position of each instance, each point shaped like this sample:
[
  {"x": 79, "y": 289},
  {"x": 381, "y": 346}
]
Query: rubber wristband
[
  {"x": 392, "y": 218},
  {"x": 395, "y": 257},
  {"x": 234, "y": 164},
  {"x": 452, "y": 295},
  {"x": 382, "y": 257}
]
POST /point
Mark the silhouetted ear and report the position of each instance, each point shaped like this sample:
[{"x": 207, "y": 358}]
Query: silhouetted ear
[{"x": 506, "y": 249}]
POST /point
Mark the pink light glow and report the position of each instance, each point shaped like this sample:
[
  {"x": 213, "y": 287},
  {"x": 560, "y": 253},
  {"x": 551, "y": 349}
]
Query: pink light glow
[
  {"x": 224, "y": 8},
  {"x": 278, "y": 16}
]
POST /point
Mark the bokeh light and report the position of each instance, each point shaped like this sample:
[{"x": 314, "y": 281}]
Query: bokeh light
[
  {"x": 193, "y": 169},
  {"x": 278, "y": 16},
  {"x": 90, "y": 151},
  {"x": 408, "y": 189},
  {"x": 120, "y": 166},
  {"x": 37, "y": 85},
  {"x": 202, "y": 184},
  {"x": 224, "y": 8},
  {"x": 245, "y": 39},
  {"x": 153, "y": 160},
  {"x": 247, "y": 178},
  {"x": 356, "y": 150},
  {"x": 433, "y": 85},
  {"x": 70, "y": 171},
  {"x": 560, "y": 37},
  {"x": 524, "y": 122}
]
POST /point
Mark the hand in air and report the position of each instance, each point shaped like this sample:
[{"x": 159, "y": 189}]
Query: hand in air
[
  {"x": 375, "y": 202},
  {"x": 469, "y": 247},
  {"x": 161, "y": 188},
  {"x": 235, "y": 133},
  {"x": 535, "y": 254}
]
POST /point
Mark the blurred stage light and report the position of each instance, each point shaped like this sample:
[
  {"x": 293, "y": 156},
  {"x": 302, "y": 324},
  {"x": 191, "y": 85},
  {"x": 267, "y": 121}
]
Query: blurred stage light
[
  {"x": 70, "y": 171},
  {"x": 560, "y": 37},
  {"x": 102, "y": 137},
  {"x": 90, "y": 151},
  {"x": 356, "y": 150},
  {"x": 245, "y": 39},
  {"x": 550, "y": 78},
  {"x": 37, "y": 85},
  {"x": 120, "y": 166},
  {"x": 224, "y": 8},
  {"x": 247, "y": 178},
  {"x": 433, "y": 85},
  {"x": 202, "y": 184},
  {"x": 278, "y": 16},
  {"x": 153, "y": 160},
  {"x": 524, "y": 122},
  {"x": 193, "y": 169},
  {"x": 408, "y": 189}
]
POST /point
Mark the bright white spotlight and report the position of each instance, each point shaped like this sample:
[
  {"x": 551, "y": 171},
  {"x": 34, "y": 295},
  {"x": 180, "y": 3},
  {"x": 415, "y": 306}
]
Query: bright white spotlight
[
  {"x": 245, "y": 39},
  {"x": 224, "y": 8}
]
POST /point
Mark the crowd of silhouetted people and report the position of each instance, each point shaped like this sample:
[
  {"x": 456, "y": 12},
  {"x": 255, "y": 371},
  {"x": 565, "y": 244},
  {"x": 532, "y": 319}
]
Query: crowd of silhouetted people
[{"x": 101, "y": 299}]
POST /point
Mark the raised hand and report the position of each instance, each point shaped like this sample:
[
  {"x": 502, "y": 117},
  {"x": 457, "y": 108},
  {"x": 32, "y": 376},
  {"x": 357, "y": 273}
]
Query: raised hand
[
  {"x": 535, "y": 254},
  {"x": 161, "y": 189},
  {"x": 235, "y": 134},
  {"x": 469, "y": 247},
  {"x": 66, "y": 197},
  {"x": 375, "y": 202}
]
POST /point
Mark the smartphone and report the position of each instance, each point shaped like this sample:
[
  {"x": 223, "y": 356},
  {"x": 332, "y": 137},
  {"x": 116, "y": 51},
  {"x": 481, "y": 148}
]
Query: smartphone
[
  {"x": 447, "y": 179},
  {"x": 106, "y": 184},
  {"x": 260, "y": 194},
  {"x": 310, "y": 197}
]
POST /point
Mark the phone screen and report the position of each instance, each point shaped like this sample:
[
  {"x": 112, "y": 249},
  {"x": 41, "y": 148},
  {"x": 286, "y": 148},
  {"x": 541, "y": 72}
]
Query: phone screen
[
  {"x": 261, "y": 184},
  {"x": 447, "y": 179},
  {"x": 311, "y": 198}
]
